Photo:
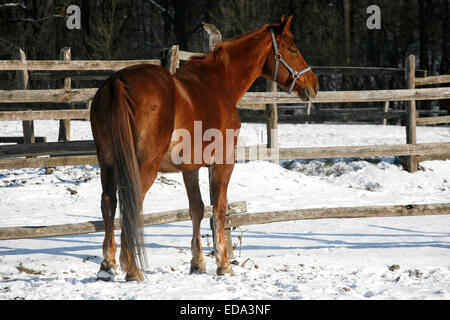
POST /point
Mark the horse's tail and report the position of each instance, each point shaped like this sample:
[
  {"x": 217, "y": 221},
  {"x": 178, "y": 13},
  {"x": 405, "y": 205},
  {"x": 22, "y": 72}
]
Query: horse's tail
[{"x": 121, "y": 124}]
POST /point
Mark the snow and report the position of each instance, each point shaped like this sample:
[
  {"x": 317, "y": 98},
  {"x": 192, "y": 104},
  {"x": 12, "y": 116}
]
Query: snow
[{"x": 310, "y": 259}]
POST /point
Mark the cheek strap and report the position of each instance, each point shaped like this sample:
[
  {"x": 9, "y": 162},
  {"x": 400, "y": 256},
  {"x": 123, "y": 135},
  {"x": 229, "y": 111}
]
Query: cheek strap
[{"x": 278, "y": 58}]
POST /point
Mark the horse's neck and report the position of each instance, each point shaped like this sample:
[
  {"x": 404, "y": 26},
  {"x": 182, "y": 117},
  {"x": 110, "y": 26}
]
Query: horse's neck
[
  {"x": 246, "y": 62},
  {"x": 232, "y": 70}
]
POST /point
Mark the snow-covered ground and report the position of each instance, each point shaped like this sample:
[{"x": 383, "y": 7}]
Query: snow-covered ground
[{"x": 313, "y": 259}]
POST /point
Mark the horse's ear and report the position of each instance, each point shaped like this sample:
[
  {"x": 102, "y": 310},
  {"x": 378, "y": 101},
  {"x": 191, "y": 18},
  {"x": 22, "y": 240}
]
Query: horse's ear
[
  {"x": 286, "y": 24},
  {"x": 283, "y": 26}
]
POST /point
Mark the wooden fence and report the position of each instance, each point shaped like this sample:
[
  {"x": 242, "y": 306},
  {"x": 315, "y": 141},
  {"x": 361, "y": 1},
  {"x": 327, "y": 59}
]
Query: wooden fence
[
  {"x": 8, "y": 157},
  {"x": 267, "y": 102},
  {"x": 37, "y": 153}
]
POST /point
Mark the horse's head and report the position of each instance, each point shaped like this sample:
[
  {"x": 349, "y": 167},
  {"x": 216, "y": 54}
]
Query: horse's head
[{"x": 286, "y": 65}]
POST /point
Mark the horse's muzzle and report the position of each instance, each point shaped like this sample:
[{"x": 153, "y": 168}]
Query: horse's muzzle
[{"x": 309, "y": 93}]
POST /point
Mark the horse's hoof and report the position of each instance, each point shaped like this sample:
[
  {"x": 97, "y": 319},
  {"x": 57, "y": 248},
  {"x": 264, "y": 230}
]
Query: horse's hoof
[
  {"x": 224, "y": 270},
  {"x": 134, "y": 276},
  {"x": 105, "y": 275},
  {"x": 198, "y": 266},
  {"x": 197, "y": 270}
]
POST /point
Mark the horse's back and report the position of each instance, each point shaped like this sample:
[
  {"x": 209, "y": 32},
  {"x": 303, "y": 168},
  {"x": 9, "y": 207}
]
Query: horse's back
[
  {"x": 150, "y": 91},
  {"x": 146, "y": 85}
]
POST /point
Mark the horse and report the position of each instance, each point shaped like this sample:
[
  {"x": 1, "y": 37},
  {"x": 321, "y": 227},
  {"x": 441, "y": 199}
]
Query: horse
[{"x": 137, "y": 112}]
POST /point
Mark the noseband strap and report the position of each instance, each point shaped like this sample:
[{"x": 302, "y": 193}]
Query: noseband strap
[{"x": 278, "y": 58}]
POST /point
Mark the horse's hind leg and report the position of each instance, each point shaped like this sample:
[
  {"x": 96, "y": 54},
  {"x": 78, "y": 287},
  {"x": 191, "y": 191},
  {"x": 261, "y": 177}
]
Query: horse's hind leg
[
  {"x": 196, "y": 210},
  {"x": 221, "y": 174},
  {"x": 108, "y": 206}
]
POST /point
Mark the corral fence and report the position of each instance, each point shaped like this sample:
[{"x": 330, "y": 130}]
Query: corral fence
[
  {"x": 31, "y": 151},
  {"x": 37, "y": 153}
]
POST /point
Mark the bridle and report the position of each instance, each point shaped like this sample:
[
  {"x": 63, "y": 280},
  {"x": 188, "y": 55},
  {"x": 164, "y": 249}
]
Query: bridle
[{"x": 278, "y": 58}]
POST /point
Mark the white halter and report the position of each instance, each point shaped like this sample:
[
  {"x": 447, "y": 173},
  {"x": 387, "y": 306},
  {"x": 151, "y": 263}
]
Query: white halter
[{"x": 278, "y": 58}]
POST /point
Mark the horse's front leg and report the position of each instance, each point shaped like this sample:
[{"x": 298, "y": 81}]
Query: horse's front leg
[
  {"x": 196, "y": 210},
  {"x": 220, "y": 177}
]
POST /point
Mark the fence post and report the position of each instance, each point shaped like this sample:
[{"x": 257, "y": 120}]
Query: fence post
[
  {"x": 173, "y": 60},
  {"x": 411, "y": 161},
  {"x": 272, "y": 121},
  {"x": 308, "y": 110},
  {"x": 22, "y": 84},
  {"x": 64, "y": 124},
  {"x": 212, "y": 37},
  {"x": 386, "y": 110}
]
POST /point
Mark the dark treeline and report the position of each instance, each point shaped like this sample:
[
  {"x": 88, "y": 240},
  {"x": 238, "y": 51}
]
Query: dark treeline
[{"x": 136, "y": 29}]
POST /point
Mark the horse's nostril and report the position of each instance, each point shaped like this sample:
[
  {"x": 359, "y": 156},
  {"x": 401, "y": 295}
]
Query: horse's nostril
[{"x": 306, "y": 94}]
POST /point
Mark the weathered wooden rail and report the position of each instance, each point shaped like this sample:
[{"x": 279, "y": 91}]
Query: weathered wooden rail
[
  {"x": 151, "y": 219},
  {"x": 87, "y": 147},
  {"x": 83, "y": 152},
  {"x": 250, "y": 98},
  {"x": 59, "y": 65},
  {"x": 337, "y": 213},
  {"x": 237, "y": 217}
]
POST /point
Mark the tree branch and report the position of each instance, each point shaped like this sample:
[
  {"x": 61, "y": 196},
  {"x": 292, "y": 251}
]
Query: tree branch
[
  {"x": 21, "y": 5},
  {"x": 156, "y": 4},
  {"x": 36, "y": 20},
  {"x": 160, "y": 7}
]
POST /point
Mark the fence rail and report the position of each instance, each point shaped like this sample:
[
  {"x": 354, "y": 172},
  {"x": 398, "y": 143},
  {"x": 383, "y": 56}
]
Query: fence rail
[
  {"x": 42, "y": 162},
  {"x": 83, "y": 152},
  {"x": 151, "y": 219},
  {"x": 433, "y": 120},
  {"x": 237, "y": 217},
  {"x": 421, "y": 149},
  {"x": 250, "y": 98},
  {"x": 44, "y": 115},
  {"x": 348, "y": 96},
  {"x": 61, "y": 65},
  {"x": 87, "y": 147},
  {"x": 364, "y": 71},
  {"x": 337, "y": 213},
  {"x": 432, "y": 80}
]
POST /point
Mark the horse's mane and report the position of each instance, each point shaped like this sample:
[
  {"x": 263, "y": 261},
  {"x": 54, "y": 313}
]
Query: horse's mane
[
  {"x": 221, "y": 54},
  {"x": 218, "y": 55}
]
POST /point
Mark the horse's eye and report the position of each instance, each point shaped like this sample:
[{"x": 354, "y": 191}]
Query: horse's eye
[{"x": 293, "y": 50}]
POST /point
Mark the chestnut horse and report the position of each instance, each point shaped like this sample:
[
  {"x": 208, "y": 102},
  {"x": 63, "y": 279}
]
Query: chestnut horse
[{"x": 136, "y": 112}]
